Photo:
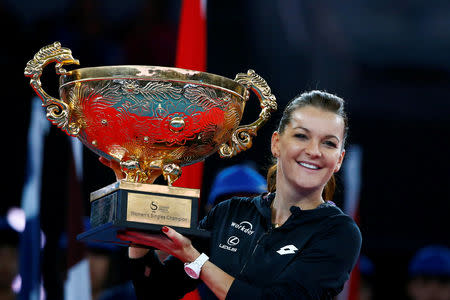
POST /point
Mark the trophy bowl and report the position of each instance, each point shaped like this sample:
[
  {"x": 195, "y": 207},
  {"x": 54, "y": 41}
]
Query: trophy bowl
[{"x": 152, "y": 120}]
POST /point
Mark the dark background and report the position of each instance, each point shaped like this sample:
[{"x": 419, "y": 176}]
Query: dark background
[{"x": 390, "y": 60}]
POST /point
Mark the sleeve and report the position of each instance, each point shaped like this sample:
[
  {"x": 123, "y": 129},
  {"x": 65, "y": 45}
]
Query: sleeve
[
  {"x": 318, "y": 272},
  {"x": 155, "y": 280},
  {"x": 207, "y": 223}
]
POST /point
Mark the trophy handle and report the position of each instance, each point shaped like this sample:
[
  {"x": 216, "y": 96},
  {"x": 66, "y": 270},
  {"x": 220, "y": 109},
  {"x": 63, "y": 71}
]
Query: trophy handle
[
  {"x": 57, "y": 110},
  {"x": 241, "y": 138}
]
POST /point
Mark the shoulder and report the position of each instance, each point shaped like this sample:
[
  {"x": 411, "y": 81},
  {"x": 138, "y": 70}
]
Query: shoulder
[
  {"x": 340, "y": 227},
  {"x": 343, "y": 220},
  {"x": 227, "y": 209},
  {"x": 338, "y": 238},
  {"x": 339, "y": 220},
  {"x": 237, "y": 203}
]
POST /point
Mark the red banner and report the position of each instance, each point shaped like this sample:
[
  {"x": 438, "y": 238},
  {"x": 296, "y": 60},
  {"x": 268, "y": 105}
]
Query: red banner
[{"x": 191, "y": 54}]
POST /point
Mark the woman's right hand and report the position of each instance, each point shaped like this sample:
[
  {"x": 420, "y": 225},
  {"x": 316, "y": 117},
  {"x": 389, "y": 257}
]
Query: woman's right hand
[
  {"x": 113, "y": 165},
  {"x": 168, "y": 241}
]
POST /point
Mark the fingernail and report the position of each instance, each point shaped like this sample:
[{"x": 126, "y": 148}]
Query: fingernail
[{"x": 165, "y": 229}]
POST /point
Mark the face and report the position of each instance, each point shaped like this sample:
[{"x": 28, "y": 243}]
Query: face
[{"x": 309, "y": 150}]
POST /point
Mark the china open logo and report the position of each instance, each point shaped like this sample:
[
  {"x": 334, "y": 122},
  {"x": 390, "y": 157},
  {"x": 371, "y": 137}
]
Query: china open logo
[{"x": 154, "y": 206}]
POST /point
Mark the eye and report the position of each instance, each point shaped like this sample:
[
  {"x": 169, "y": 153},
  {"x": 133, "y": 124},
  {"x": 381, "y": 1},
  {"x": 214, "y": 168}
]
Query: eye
[
  {"x": 330, "y": 144},
  {"x": 300, "y": 136}
]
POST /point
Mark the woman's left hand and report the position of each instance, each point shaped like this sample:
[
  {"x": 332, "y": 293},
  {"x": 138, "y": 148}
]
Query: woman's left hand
[{"x": 170, "y": 242}]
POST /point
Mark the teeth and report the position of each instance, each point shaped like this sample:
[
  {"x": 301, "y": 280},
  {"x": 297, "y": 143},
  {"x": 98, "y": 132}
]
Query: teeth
[{"x": 309, "y": 166}]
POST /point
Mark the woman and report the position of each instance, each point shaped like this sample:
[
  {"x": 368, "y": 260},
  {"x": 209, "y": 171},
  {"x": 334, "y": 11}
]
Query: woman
[{"x": 288, "y": 244}]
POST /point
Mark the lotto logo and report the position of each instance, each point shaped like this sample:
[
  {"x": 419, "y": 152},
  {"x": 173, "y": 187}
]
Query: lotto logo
[{"x": 289, "y": 249}]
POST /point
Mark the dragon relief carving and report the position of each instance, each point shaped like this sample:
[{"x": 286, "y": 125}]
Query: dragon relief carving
[
  {"x": 253, "y": 81},
  {"x": 241, "y": 139},
  {"x": 206, "y": 97},
  {"x": 57, "y": 110}
]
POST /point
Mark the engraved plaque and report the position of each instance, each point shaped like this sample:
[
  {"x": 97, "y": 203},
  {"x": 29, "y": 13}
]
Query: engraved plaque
[{"x": 162, "y": 210}]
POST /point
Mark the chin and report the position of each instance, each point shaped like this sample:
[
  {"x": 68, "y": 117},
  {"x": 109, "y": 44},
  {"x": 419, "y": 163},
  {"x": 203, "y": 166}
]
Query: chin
[{"x": 311, "y": 186}]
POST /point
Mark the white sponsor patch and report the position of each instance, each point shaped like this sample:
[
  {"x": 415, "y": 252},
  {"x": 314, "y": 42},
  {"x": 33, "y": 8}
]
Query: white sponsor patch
[
  {"x": 231, "y": 242},
  {"x": 244, "y": 226},
  {"x": 288, "y": 249}
]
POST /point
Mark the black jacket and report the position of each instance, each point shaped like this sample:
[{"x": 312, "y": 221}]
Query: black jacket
[{"x": 309, "y": 257}]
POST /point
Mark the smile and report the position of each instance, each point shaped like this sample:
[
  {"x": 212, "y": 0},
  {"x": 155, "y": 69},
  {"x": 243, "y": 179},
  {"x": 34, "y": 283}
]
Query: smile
[{"x": 309, "y": 166}]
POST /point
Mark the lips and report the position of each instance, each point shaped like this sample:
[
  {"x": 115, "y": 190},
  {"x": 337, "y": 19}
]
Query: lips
[{"x": 309, "y": 165}]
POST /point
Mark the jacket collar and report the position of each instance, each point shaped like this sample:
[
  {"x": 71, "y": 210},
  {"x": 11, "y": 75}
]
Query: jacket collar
[{"x": 299, "y": 216}]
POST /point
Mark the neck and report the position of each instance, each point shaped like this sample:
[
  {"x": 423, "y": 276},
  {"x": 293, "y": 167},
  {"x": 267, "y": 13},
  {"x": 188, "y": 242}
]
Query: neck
[{"x": 284, "y": 199}]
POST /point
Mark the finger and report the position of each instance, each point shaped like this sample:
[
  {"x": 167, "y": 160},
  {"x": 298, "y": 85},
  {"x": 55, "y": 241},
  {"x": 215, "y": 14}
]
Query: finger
[
  {"x": 137, "y": 241},
  {"x": 115, "y": 165},
  {"x": 144, "y": 235},
  {"x": 127, "y": 238},
  {"x": 173, "y": 235},
  {"x": 104, "y": 161},
  {"x": 154, "y": 240}
]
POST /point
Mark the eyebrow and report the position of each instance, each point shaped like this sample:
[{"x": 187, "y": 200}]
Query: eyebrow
[{"x": 327, "y": 136}]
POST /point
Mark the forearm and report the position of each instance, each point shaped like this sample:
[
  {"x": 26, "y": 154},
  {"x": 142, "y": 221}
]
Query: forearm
[
  {"x": 141, "y": 268},
  {"x": 216, "y": 279},
  {"x": 154, "y": 280}
]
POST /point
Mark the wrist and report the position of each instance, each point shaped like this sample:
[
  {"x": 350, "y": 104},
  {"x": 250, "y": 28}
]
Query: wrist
[
  {"x": 194, "y": 268},
  {"x": 192, "y": 255}
]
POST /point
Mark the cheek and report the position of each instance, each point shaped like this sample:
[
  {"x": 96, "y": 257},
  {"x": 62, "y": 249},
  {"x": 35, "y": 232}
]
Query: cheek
[
  {"x": 291, "y": 149},
  {"x": 333, "y": 160}
]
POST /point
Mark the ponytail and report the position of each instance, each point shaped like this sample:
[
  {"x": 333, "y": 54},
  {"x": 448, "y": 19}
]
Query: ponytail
[
  {"x": 327, "y": 194},
  {"x": 272, "y": 178},
  {"x": 328, "y": 191}
]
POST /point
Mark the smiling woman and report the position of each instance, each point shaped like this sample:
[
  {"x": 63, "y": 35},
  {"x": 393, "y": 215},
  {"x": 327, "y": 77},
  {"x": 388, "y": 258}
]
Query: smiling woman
[
  {"x": 290, "y": 243},
  {"x": 332, "y": 110}
]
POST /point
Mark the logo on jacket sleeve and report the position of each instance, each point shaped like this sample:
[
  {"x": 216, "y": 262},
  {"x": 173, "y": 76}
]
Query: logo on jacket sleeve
[{"x": 288, "y": 249}]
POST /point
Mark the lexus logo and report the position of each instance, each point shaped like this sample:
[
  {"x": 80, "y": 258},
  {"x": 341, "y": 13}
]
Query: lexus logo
[{"x": 233, "y": 240}]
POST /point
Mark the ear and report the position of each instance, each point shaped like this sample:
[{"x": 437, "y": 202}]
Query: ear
[
  {"x": 275, "y": 144},
  {"x": 339, "y": 164}
]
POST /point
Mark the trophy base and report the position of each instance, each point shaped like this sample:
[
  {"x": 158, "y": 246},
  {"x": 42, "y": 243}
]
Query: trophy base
[{"x": 142, "y": 207}]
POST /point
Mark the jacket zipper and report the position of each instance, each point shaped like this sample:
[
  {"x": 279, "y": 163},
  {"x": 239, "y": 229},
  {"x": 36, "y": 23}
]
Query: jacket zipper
[{"x": 254, "y": 249}]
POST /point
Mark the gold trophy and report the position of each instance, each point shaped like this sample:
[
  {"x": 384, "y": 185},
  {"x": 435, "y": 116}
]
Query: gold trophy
[{"x": 152, "y": 120}]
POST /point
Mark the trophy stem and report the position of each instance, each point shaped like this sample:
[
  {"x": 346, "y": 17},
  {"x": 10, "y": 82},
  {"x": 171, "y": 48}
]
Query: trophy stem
[{"x": 140, "y": 176}]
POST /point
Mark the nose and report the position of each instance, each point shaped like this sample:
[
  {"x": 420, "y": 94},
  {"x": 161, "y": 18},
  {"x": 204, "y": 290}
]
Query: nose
[{"x": 312, "y": 149}]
